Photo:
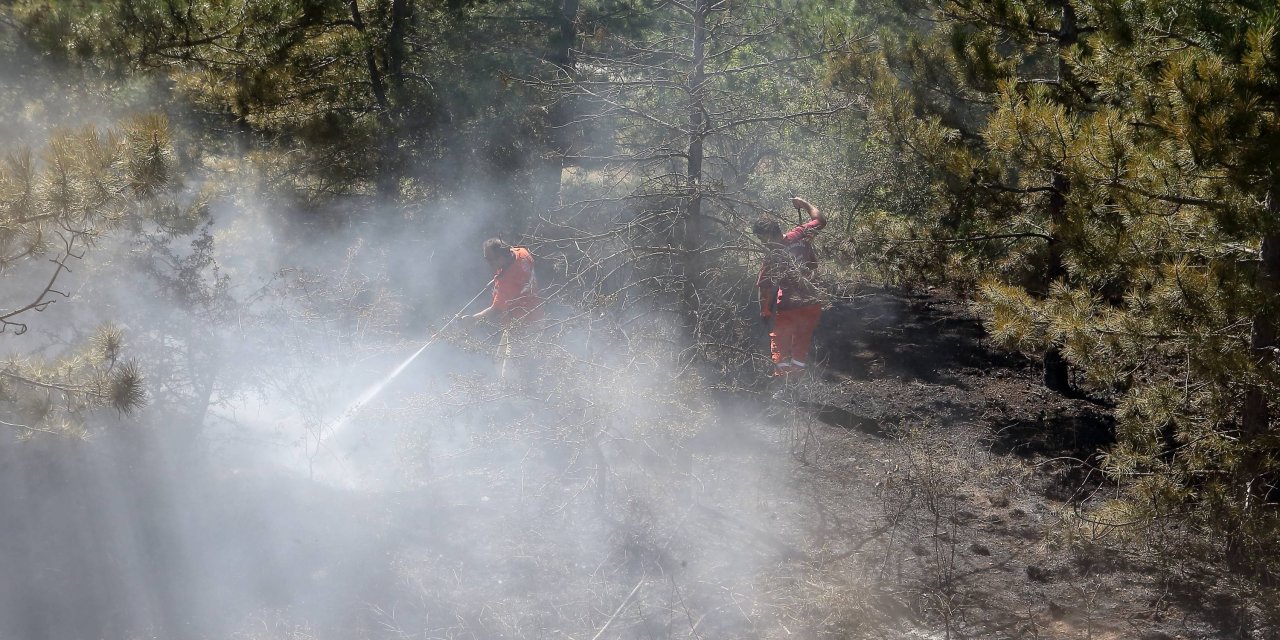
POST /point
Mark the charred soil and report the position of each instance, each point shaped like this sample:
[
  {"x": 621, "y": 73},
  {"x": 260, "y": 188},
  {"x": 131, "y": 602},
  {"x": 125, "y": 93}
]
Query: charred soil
[{"x": 974, "y": 485}]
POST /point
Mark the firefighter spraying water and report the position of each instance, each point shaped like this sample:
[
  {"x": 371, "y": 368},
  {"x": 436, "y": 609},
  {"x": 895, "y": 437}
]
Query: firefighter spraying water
[
  {"x": 373, "y": 391},
  {"x": 516, "y": 300}
]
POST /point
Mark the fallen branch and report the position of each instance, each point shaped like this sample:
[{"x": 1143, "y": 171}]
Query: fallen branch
[{"x": 622, "y": 606}]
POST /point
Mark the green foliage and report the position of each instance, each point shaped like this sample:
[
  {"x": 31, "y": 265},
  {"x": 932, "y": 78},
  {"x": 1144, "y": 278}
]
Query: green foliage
[
  {"x": 1108, "y": 170},
  {"x": 55, "y": 207},
  {"x": 402, "y": 99}
]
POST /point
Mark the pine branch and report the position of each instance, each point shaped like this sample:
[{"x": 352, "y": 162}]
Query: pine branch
[
  {"x": 1006, "y": 188},
  {"x": 543, "y": 19},
  {"x": 30, "y": 429},
  {"x": 785, "y": 117},
  {"x": 998, "y": 236},
  {"x": 49, "y": 386},
  {"x": 681, "y": 6},
  {"x": 1175, "y": 199},
  {"x": 40, "y": 303},
  {"x": 780, "y": 61},
  {"x": 633, "y": 111}
]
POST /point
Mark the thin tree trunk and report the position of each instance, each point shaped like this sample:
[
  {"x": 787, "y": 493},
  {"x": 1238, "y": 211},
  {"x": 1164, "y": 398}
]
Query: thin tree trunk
[
  {"x": 397, "y": 52},
  {"x": 1057, "y": 374},
  {"x": 401, "y": 10},
  {"x": 387, "y": 179},
  {"x": 375, "y": 75},
  {"x": 561, "y": 113},
  {"x": 1256, "y": 412},
  {"x": 692, "y": 233}
]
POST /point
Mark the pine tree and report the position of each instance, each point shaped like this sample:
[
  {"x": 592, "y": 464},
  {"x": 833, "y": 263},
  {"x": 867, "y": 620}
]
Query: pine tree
[
  {"x": 989, "y": 97},
  {"x": 54, "y": 208},
  {"x": 1195, "y": 91},
  {"x": 679, "y": 120},
  {"x": 399, "y": 100},
  {"x": 1147, "y": 167}
]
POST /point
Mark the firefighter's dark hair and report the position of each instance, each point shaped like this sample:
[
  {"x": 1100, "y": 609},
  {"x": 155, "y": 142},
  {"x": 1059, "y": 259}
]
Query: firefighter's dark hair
[
  {"x": 766, "y": 227},
  {"x": 495, "y": 247}
]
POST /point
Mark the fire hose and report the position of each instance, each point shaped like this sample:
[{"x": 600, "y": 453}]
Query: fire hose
[{"x": 377, "y": 388}]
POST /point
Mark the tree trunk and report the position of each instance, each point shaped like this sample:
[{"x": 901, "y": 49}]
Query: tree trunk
[
  {"x": 387, "y": 180},
  {"x": 561, "y": 113},
  {"x": 1263, "y": 339},
  {"x": 692, "y": 239},
  {"x": 1057, "y": 376},
  {"x": 396, "y": 53},
  {"x": 1256, "y": 413},
  {"x": 1056, "y": 372}
]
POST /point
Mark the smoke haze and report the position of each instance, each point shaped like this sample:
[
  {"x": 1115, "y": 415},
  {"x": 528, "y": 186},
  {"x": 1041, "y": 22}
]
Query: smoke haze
[{"x": 579, "y": 486}]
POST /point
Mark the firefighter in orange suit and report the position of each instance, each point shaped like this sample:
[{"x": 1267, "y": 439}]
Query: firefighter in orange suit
[
  {"x": 515, "y": 286},
  {"x": 789, "y": 296}
]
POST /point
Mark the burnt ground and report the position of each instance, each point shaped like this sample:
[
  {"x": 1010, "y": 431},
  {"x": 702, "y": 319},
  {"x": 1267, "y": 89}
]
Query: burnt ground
[
  {"x": 917, "y": 485},
  {"x": 976, "y": 474}
]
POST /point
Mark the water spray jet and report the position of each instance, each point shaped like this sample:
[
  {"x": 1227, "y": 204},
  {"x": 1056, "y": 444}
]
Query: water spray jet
[{"x": 372, "y": 392}]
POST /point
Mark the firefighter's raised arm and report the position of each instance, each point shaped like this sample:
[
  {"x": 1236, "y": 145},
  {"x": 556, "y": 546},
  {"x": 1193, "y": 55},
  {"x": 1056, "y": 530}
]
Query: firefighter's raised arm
[{"x": 814, "y": 212}]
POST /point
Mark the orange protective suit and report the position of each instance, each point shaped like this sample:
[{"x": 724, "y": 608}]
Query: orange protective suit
[
  {"x": 787, "y": 284},
  {"x": 515, "y": 289},
  {"x": 791, "y": 336}
]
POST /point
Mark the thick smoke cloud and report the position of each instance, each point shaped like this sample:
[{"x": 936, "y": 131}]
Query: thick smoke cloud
[{"x": 456, "y": 503}]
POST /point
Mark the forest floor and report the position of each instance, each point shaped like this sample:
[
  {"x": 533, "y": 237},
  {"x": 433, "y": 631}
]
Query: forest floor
[
  {"x": 979, "y": 475},
  {"x": 919, "y": 484}
]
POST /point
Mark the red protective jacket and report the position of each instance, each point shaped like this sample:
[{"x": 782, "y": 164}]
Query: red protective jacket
[
  {"x": 793, "y": 269},
  {"x": 515, "y": 289}
]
